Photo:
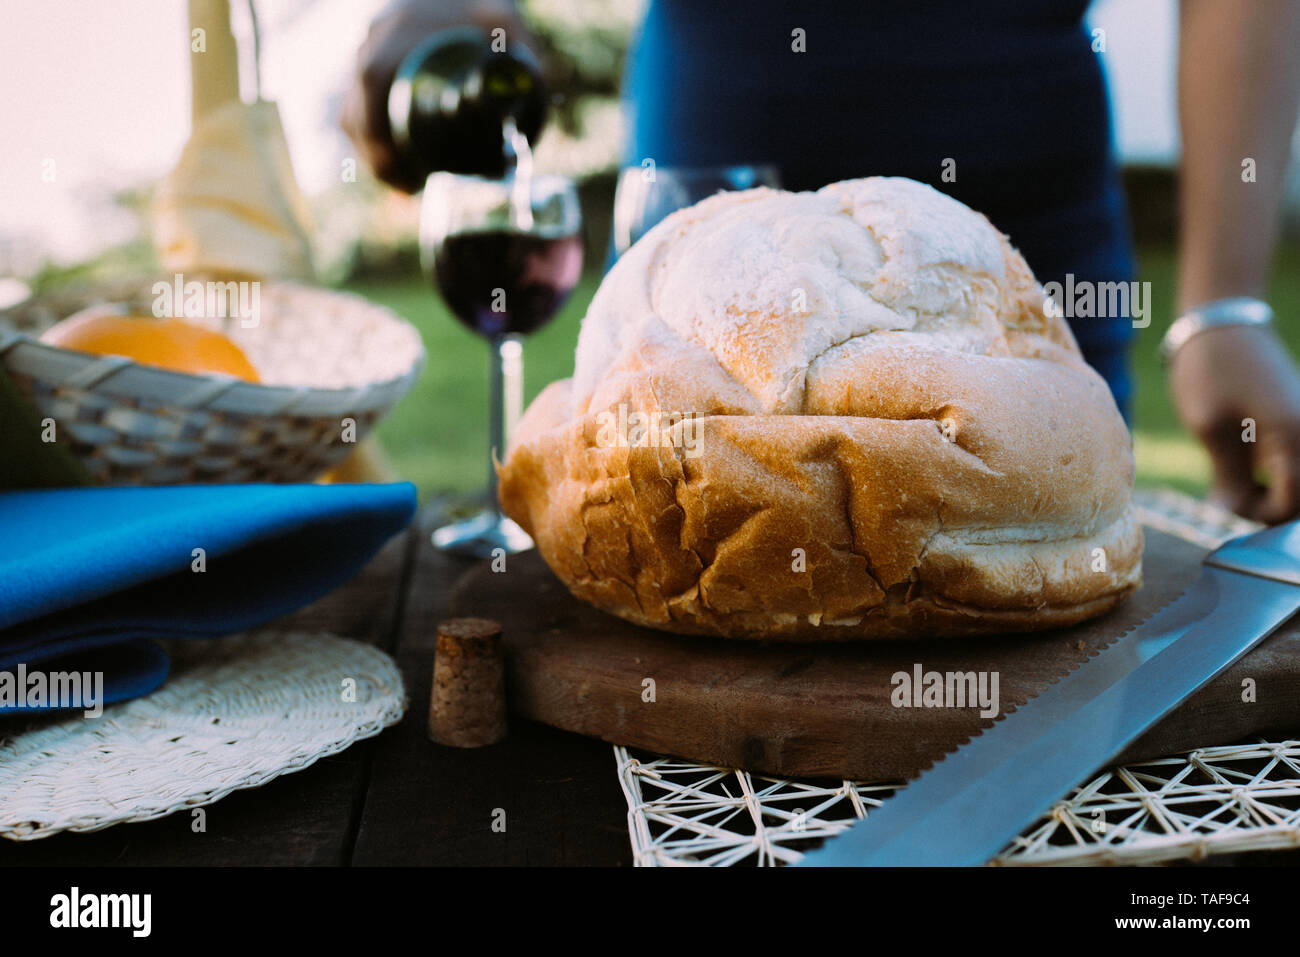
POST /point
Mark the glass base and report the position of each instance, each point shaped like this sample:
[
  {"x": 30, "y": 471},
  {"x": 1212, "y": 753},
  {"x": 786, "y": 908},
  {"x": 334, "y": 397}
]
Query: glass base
[{"x": 481, "y": 535}]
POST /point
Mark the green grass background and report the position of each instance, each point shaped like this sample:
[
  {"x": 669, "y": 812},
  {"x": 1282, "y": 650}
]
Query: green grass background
[{"x": 437, "y": 435}]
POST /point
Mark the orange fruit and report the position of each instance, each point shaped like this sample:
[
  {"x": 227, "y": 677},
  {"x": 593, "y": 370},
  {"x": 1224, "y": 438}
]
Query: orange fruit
[{"x": 168, "y": 343}]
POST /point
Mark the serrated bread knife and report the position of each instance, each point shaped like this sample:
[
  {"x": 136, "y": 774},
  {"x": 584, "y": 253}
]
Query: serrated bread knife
[{"x": 974, "y": 802}]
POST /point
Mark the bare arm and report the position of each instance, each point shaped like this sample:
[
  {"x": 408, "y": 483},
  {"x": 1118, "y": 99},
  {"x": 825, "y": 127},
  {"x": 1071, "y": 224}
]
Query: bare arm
[{"x": 1238, "y": 97}]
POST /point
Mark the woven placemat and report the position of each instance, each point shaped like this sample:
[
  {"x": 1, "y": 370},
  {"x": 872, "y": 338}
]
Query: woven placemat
[
  {"x": 1216, "y": 800},
  {"x": 235, "y": 713}
]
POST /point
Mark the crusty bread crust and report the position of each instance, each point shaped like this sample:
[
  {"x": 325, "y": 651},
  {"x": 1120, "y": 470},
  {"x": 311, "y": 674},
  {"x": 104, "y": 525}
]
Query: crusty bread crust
[{"x": 944, "y": 464}]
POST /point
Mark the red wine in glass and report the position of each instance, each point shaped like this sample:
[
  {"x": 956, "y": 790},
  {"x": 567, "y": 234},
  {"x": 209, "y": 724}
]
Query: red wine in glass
[
  {"x": 501, "y": 282},
  {"x": 505, "y": 254}
]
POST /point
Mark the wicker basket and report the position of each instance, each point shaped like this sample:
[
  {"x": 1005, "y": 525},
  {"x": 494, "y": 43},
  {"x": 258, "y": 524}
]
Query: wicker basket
[{"x": 331, "y": 365}]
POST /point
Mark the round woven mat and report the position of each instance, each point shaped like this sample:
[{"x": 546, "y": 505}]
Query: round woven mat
[{"x": 235, "y": 713}]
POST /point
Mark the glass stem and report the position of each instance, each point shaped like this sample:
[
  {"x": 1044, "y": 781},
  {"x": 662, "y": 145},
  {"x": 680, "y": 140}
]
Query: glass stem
[{"x": 505, "y": 368}]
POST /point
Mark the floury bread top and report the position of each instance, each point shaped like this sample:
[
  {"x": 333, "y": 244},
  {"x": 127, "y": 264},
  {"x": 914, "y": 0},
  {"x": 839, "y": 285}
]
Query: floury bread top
[
  {"x": 833, "y": 415},
  {"x": 768, "y": 281}
]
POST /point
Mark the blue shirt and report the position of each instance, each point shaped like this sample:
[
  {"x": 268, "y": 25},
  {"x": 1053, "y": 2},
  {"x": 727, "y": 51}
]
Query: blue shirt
[{"x": 1010, "y": 91}]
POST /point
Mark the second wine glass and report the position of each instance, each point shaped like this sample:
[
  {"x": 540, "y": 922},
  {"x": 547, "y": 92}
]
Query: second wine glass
[{"x": 646, "y": 194}]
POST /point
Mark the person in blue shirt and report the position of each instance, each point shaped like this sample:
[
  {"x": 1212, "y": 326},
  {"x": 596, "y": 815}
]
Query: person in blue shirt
[{"x": 1003, "y": 105}]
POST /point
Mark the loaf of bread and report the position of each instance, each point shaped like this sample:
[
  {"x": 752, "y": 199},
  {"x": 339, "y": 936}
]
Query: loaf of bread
[{"x": 835, "y": 415}]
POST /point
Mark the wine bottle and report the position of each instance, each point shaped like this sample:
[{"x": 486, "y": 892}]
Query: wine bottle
[{"x": 451, "y": 98}]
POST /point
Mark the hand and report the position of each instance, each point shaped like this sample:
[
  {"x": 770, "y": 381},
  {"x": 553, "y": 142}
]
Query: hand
[
  {"x": 392, "y": 36},
  {"x": 1223, "y": 376}
]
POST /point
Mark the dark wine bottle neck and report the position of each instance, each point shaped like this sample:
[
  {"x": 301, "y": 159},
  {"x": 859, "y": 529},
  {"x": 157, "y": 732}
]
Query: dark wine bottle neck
[{"x": 451, "y": 98}]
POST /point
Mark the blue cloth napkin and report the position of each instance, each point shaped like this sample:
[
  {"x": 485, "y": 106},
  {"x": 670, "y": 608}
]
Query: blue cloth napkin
[{"x": 88, "y": 575}]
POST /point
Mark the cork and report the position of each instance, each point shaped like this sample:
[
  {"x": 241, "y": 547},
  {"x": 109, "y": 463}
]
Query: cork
[{"x": 468, "y": 705}]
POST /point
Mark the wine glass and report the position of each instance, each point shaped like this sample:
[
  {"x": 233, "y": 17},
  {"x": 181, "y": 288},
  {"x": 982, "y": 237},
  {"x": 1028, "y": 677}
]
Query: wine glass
[
  {"x": 646, "y": 194},
  {"x": 505, "y": 255}
]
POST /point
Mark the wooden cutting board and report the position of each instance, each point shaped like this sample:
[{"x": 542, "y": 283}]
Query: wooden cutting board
[{"x": 825, "y": 710}]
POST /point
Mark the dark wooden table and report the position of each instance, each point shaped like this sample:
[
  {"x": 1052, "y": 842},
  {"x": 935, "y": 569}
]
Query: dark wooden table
[
  {"x": 396, "y": 799},
  {"x": 400, "y": 799}
]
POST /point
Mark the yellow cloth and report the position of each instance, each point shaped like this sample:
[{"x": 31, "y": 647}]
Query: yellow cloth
[{"x": 232, "y": 206}]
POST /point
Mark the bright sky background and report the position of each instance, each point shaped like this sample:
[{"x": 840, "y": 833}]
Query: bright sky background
[
  {"x": 102, "y": 87},
  {"x": 1141, "y": 54}
]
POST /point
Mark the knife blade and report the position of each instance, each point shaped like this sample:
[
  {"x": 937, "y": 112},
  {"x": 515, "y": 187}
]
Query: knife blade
[{"x": 975, "y": 801}]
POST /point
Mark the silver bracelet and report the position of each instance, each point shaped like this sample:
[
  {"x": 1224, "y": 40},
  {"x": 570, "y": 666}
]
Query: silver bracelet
[{"x": 1237, "y": 311}]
